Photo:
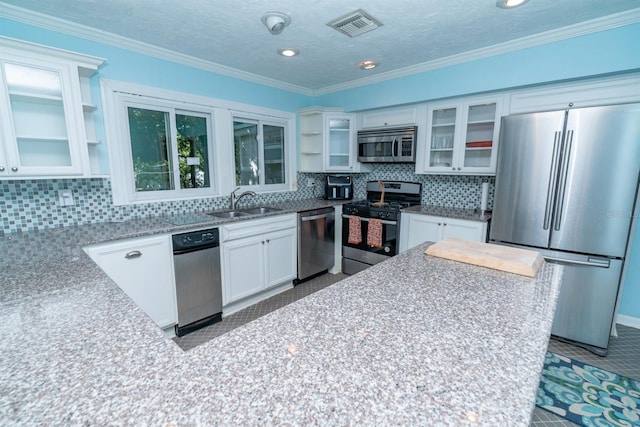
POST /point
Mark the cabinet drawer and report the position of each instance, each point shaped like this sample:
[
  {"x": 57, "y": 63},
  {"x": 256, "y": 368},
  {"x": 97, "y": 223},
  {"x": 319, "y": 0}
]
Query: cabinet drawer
[{"x": 254, "y": 227}]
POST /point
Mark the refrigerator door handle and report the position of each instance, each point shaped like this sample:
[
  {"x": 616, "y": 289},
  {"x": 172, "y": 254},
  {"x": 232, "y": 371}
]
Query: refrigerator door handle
[
  {"x": 552, "y": 179},
  {"x": 591, "y": 262},
  {"x": 564, "y": 172}
]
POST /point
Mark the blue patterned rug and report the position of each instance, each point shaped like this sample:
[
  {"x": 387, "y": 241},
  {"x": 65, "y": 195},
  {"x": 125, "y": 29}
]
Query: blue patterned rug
[{"x": 586, "y": 395}]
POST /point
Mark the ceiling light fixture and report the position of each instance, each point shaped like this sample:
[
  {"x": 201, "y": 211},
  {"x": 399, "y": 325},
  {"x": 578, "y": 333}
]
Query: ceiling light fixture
[
  {"x": 510, "y": 4},
  {"x": 275, "y": 22},
  {"x": 288, "y": 52},
  {"x": 367, "y": 65}
]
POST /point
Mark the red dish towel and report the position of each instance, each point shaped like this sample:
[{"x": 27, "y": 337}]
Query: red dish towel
[
  {"x": 374, "y": 235},
  {"x": 355, "y": 231}
]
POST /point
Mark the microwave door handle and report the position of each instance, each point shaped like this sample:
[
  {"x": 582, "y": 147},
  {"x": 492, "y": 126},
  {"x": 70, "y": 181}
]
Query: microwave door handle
[{"x": 394, "y": 148}]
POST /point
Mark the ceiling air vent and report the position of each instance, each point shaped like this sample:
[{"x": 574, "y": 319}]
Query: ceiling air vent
[{"x": 355, "y": 23}]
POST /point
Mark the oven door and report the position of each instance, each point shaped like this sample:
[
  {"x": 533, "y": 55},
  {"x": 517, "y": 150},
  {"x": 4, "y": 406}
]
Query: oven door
[{"x": 363, "y": 250}]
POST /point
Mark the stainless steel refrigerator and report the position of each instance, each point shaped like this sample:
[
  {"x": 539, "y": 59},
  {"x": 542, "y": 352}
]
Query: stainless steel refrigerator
[{"x": 566, "y": 185}]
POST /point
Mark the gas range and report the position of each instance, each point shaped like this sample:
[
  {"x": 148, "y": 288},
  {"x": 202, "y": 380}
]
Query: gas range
[
  {"x": 368, "y": 209},
  {"x": 397, "y": 195},
  {"x": 366, "y": 242}
]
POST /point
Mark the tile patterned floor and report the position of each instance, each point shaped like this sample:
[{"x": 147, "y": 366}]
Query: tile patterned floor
[
  {"x": 623, "y": 357},
  {"x": 257, "y": 310}
]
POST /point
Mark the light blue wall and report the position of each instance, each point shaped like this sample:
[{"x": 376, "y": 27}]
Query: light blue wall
[{"x": 607, "y": 52}]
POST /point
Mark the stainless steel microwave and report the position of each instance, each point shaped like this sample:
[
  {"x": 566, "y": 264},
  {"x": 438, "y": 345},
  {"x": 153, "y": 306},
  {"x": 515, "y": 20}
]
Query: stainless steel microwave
[{"x": 388, "y": 145}]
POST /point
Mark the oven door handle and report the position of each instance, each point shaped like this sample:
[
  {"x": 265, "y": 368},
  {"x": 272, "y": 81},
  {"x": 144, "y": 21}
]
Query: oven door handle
[{"x": 367, "y": 220}]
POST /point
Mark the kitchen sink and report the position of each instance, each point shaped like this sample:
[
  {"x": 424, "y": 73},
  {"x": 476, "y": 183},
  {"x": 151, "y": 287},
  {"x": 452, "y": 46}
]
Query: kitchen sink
[
  {"x": 227, "y": 214},
  {"x": 259, "y": 210}
]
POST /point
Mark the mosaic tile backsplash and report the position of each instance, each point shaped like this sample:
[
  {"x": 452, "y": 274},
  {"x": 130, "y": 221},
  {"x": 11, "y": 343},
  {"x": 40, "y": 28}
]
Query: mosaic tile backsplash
[{"x": 28, "y": 205}]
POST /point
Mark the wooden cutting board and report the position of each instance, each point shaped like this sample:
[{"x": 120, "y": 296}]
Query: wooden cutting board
[{"x": 504, "y": 258}]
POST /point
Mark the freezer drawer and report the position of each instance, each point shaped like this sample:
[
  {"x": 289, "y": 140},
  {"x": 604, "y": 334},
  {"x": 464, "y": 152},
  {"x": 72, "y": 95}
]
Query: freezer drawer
[{"x": 587, "y": 300}]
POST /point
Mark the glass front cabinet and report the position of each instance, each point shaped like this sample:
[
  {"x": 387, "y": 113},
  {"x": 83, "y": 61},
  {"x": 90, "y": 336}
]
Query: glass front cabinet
[
  {"x": 43, "y": 127},
  {"x": 462, "y": 138},
  {"x": 327, "y": 141}
]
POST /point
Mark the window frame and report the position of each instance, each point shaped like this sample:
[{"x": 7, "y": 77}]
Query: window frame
[
  {"x": 221, "y": 154},
  {"x": 261, "y": 121}
]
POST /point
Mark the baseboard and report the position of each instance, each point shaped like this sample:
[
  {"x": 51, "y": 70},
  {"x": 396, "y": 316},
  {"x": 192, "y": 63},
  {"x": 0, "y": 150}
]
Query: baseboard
[{"x": 633, "y": 322}]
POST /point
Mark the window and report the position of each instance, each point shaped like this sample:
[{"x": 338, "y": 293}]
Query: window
[
  {"x": 165, "y": 145},
  {"x": 166, "y": 149},
  {"x": 152, "y": 150},
  {"x": 260, "y": 155}
]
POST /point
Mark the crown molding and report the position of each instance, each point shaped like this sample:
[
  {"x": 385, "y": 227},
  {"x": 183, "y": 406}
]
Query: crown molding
[
  {"x": 40, "y": 20},
  {"x": 587, "y": 27}
]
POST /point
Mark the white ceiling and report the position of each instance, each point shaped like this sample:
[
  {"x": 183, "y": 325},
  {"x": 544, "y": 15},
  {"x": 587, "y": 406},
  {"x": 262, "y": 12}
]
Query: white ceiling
[{"x": 414, "y": 33}]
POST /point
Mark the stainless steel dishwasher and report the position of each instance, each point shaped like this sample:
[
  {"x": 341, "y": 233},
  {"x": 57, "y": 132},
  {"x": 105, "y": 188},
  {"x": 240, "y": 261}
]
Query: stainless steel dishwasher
[
  {"x": 196, "y": 260},
  {"x": 316, "y": 247}
]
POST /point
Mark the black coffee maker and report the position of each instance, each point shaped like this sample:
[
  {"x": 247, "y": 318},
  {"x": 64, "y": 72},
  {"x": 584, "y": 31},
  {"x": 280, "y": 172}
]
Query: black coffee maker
[{"x": 338, "y": 187}]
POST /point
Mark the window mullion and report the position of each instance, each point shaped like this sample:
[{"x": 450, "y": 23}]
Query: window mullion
[
  {"x": 175, "y": 164},
  {"x": 261, "y": 160}
]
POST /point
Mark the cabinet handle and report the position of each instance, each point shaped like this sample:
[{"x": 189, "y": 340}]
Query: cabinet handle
[
  {"x": 133, "y": 254},
  {"x": 14, "y": 169}
]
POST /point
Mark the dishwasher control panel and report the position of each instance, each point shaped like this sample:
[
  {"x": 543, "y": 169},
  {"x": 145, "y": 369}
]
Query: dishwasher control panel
[{"x": 196, "y": 239}]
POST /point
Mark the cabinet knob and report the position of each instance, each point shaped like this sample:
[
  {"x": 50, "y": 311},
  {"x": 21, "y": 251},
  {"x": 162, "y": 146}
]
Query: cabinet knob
[
  {"x": 1, "y": 168},
  {"x": 453, "y": 168},
  {"x": 459, "y": 168},
  {"x": 444, "y": 224},
  {"x": 267, "y": 240},
  {"x": 14, "y": 169},
  {"x": 133, "y": 254},
  {"x": 439, "y": 224}
]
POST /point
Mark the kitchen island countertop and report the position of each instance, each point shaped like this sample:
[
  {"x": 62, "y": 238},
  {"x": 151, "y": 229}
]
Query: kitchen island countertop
[{"x": 415, "y": 340}]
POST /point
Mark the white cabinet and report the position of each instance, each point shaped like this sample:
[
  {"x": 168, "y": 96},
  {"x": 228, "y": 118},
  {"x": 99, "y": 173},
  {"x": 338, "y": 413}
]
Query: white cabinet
[
  {"x": 462, "y": 138},
  {"x": 258, "y": 259},
  {"x": 388, "y": 117},
  {"x": 327, "y": 141},
  {"x": 143, "y": 269},
  {"x": 417, "y": 228},
  {"x": 42, "y": 85},
  {"x": 614, "y": 90}
]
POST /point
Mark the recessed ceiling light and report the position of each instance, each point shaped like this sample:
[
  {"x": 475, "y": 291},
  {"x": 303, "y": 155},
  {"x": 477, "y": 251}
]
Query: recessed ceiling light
[
  {"x": 509, "y": 4},
  {"x": 367, "y": 65},
  {"x": 288, "y": 52}
]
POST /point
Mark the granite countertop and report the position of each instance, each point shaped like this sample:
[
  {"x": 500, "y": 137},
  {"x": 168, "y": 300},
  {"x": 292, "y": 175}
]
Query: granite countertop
[
  {"x": 459, "y": 213},
  {"x": 415, "y": 340}
]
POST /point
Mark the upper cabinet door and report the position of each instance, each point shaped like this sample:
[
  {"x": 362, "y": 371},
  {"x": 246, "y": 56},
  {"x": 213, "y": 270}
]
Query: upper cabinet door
[
  {"x": 42, "y": 132},
  {"x": 462, "y": 138},
  {"x": 339, "y": 142},
  {"x": 482, "y": 123}
]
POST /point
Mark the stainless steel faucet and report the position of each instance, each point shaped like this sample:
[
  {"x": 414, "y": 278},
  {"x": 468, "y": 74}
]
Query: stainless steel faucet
[{"x": 235, "y": 199}]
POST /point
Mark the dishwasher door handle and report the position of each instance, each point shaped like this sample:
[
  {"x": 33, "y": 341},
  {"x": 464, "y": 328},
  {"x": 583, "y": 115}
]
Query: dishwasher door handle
[{"x": 313, "y": 217}]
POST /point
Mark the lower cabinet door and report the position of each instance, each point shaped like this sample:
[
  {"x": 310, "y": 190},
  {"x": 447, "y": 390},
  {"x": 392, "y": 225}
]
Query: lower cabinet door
[
  {"x": 243, "y": 268},
  {"x": 281, "y": 257},
  {"x": 475, "y": 231},
  {"x": 142, "y": 268},
  {"x": 417, "y": 229}
]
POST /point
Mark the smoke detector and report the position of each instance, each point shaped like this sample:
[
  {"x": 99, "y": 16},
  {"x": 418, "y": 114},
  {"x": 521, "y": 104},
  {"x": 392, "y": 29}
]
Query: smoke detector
[
  {"x": 355, "y": 23},
  {"x": 275, "y": 22}
]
